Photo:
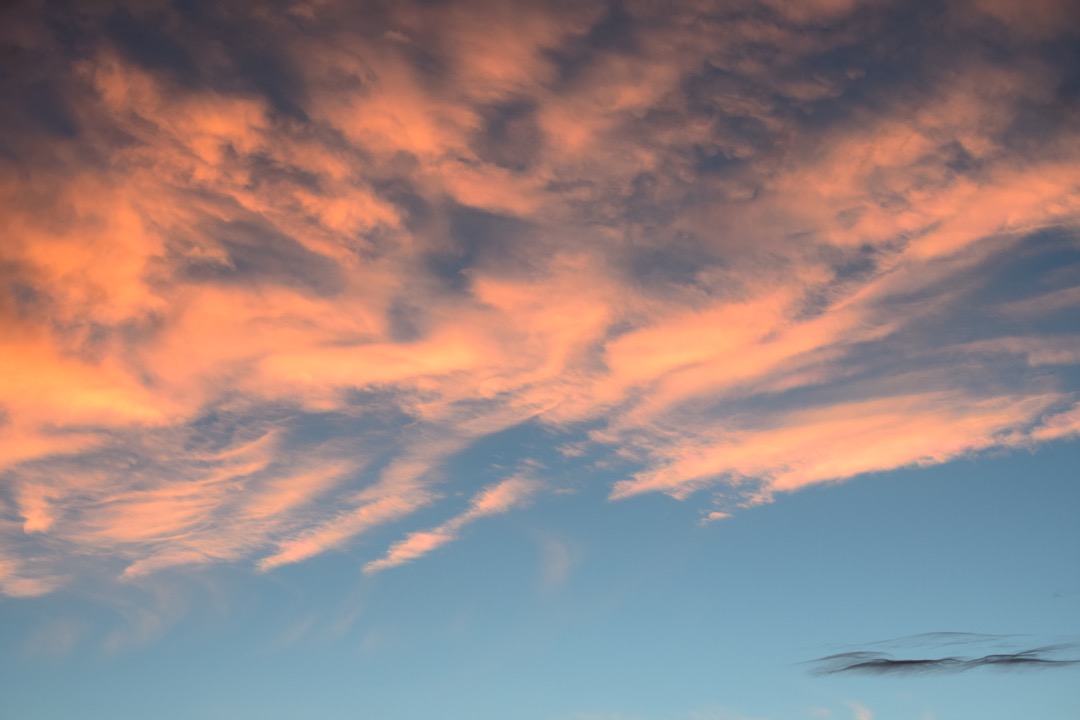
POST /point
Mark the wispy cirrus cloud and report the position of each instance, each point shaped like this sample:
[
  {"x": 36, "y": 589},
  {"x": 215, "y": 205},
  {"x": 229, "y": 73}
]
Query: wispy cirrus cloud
[
  {"x": 497, "y": 499},
  {"x": 258, "y": 294}
]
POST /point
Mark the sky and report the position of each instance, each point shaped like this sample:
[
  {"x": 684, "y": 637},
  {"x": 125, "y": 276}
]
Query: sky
[{"x": 485, "y": 359}]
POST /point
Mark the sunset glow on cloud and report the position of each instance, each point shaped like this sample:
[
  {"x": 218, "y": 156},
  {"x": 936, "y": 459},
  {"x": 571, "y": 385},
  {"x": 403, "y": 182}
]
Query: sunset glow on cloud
[{"x": 271, "y": 271}]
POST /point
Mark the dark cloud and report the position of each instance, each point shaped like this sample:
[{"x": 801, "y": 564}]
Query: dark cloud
[
  {"x": 264, "y": 169},
  {"x": 259, "y": 254},
  {"x": 678, "y": 263},
  {"x": 225, "y": 48},
  {"x": 404, "y": 321},
  {"x": 273, "y": 78},
  {"x": 1043, "y": 262},
  {"x": 20, "y": 299},
  {"x": 869, "y": 663},
  {"x": 511, "y": 137},
  {"x": 872, "y": 662},
  {"x": 50, "y": 112},
  {"x": 38, "y": 107},
  {"x": 480, "y": 239},
  {"x": 148, "y": 43},
  {"x": 615, "y": 31}
]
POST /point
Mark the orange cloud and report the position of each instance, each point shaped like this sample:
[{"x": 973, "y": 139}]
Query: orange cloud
[
  {"x": 496, "y": 499},
  {"x": 841, "y": 441},
  {"x": 337, "y": 532},
  {"x": 732, "y": 270}
]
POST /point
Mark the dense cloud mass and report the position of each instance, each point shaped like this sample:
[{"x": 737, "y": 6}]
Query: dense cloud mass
[{"x": 269, "y": 269}]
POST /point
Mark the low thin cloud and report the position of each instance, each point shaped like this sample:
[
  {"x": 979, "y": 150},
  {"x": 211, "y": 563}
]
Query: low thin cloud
[{"x": 873, "y": 662}]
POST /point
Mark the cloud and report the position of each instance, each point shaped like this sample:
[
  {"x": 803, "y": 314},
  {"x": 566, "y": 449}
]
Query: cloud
[
  {"x": 861, "y": 712},
  {"x": 56, "y": 638},
  {"x": 494, "y": 500},
  {"x": 269, "y": 275},
  {"x": 843, "y": 440},
  {"x": 336, "y": 532},
  {"x": 881, "y": 664},
  {"x": 713, "y": 516},
  {"x": 557, "y": 559},
  {"x": 867, "y": 662}
]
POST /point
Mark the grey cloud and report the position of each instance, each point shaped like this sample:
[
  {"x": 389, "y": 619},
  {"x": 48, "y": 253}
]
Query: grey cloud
[
  {"x": 810, "y": 85},
  {"x": 614, "y": 30},
  {"x": 48, "y": 109},
  {"x": 147, "y": 42},
  {"x": 1044, "y": 261},
  {"x": 264, "y": 169},
  {"x": 194, "y": 45},
  {"x": 871, "y": 663},
  {"x": 405, "y": 320},
  {"x": 36, "y": 94},
  {"x": 20, "y": 298},
  {"x": 933, "y": 661},
  {"x": 511, "y": 137},
  {"x": 482, "y": 240},
  {"x": 257, "y": 253}
]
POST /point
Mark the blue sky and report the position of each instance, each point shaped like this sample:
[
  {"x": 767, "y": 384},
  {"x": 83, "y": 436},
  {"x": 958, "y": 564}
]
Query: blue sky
[
  {"x": 633, "y": 611},
  {"x": 587, "y": 361}
]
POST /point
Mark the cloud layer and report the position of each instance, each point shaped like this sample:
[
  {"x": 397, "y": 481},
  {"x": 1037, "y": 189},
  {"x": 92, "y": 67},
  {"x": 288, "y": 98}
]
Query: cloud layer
[{"x": 269, "y": 269}]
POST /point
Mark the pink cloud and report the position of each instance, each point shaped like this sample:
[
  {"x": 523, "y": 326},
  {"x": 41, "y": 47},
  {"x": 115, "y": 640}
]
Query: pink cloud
[
  {"x": 336, "y": 532},
  {"x": 840, "y": 441},
  {"x": 494, "y": 500},
  {"x": 17, "y": 580},
  {"x": 227, "y": 268},
  {"x": 1040, "y": 19}
]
